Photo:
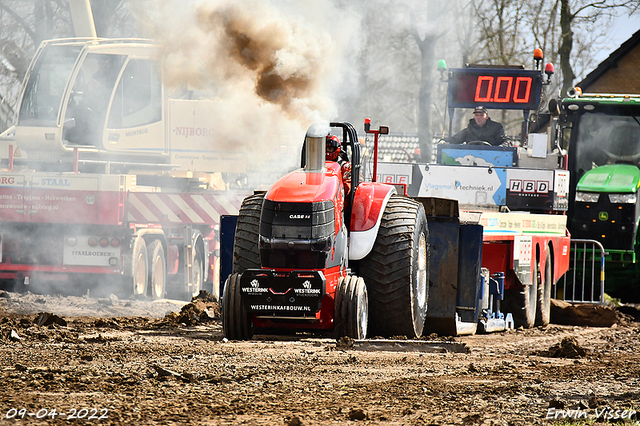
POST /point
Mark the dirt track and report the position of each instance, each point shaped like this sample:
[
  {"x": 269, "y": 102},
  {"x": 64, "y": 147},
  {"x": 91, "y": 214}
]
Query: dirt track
[{"x": 159, "y": 370}]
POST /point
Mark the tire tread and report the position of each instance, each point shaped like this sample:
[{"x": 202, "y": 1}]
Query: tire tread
[
  {"x": 387, "y": 270},
  {"x": 246, "y": 254}
]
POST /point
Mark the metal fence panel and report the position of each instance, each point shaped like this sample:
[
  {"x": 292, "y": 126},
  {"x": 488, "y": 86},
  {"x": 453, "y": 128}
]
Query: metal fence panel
[{"x": 584, "y": 282}]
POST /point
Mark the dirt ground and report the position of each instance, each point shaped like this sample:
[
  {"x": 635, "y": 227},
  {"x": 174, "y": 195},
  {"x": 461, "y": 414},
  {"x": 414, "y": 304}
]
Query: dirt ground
[{"x": 109, "y": 361}]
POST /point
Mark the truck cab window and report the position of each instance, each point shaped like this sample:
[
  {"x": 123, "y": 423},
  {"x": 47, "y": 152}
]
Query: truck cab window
[
  {"x": 46, "y": 84},
  {"x": 90, "y": 97},
  {"x": 138, "y": 98}
]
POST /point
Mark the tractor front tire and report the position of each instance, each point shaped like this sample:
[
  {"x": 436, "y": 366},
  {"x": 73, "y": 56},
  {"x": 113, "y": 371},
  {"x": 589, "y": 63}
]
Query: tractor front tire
[
  {"x": 351, "y": 308},
  {"x": 236, "y": 323},
  {"x": 246, "y": 253},
  {"x": 396, "y": 271}
]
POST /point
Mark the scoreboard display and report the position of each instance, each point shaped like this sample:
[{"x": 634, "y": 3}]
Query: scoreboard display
[{"x": 494, "y": 88}]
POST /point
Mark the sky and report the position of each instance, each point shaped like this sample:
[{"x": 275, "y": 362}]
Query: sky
[{"x": 623, "y": 28}]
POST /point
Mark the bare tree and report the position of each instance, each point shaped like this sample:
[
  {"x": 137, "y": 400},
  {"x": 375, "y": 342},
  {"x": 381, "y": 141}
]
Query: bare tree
[
  {"x": 500, "y": 31},
  {"x": 576, "y": 13},
  {"x": 398, "y": 64},
  {"x": 566, "y": 30},
  {"x": 402, "y": 42},
  {"x": 113, "y": 18},
  {"x": 24, "y": 24},
  {"x": 388, "y": 72},
  {"x": 502, "y": 37},
  {"x": 427, "y": 44}
]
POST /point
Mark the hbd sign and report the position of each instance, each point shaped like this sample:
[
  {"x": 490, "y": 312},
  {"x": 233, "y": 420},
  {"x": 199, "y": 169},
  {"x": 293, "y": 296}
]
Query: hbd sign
[
  {"x": 529, "y": 189},
  {"x": 529, "y": 186}
]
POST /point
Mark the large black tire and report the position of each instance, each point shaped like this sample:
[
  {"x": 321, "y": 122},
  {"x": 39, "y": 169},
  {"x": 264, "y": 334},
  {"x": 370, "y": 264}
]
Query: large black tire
[
  {"x": 157, "y": 270},
  {"x": 396, "y": 271},
  {"x": 236, "y": 323},
  {"x": 351, "y": 308},
  {"x": 543, "y": 312},
  {"x": 521, "y": 303},
  {"x": 246, "y": 253}
]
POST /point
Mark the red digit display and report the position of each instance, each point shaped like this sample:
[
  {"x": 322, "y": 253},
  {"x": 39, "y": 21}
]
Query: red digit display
[
  {"x": 507, "y": 88},
  {"x": 484, "y": 87},
  {"x": 522, "y": 94},
  {"x": 503, "y": 89}
]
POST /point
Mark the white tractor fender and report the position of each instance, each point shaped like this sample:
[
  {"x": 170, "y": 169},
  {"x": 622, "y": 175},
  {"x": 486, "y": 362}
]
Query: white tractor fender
[{"x": 370, "y": 202}]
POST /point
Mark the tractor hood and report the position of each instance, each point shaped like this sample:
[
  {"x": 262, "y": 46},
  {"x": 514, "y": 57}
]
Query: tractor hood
[
  {"x": 305, "y": 187},
  {"x": 619, "y": 178}
]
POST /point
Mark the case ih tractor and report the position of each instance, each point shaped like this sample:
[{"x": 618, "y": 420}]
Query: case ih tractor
[{"x": 308, "y": 256}]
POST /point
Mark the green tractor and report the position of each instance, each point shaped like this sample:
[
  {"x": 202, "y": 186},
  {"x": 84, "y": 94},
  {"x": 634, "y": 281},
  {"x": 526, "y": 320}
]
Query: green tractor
[{"x": 601, "y": 136}]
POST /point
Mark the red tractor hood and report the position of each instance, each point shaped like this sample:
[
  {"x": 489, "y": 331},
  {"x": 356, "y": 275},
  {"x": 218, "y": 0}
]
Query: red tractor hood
[{"x": 305, "y": 187}]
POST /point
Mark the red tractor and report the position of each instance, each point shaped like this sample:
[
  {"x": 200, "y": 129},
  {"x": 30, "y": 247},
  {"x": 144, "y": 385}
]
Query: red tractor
[{"x": 309, "y": 256}]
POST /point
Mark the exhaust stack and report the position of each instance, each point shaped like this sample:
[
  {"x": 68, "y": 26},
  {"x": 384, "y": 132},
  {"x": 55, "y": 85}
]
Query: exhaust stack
[{"x": 315, "y": 141}]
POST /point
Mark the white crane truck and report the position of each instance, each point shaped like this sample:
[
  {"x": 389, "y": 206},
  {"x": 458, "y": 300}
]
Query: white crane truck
[{"x": 108, "y": 180}]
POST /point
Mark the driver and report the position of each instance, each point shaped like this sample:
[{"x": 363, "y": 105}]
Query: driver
[
  {"x": 480, "y": 128},
  {"x": 334, "y": 153}
]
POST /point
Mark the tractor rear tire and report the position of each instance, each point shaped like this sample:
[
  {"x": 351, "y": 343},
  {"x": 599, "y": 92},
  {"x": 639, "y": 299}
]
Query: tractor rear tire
[
  {"x": 521, "y": 303},
  {"x": 236, "y": 323},
  {"x": 246, "y": 253},
  {"x": 543, "y": 313},
  {"x": 351, "y": 308},
  {"x": 396, "y": 271}
]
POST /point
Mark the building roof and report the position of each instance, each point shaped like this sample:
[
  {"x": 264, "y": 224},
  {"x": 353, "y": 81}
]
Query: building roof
[{"x": 611, "y": 62}]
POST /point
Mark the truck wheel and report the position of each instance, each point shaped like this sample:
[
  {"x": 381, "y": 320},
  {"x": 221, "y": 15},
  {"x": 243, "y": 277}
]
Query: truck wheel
[
  {"x": 236, "y": 323},
  {"x": 246, "y": 254},
  {"x": 396, "y": 271},
  {"x": 351, "y": 310},
  {"x": 521, "y": 303},
  {"x": 543, "y": 312},
  {"x": 137, "y": 282},
  {"x": 157, "y": 270},
  {"x": 198, "y": 273}
]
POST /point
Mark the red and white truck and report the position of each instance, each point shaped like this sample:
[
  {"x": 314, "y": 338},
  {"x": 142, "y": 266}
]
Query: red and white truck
[{"x": 108, "y": 182}]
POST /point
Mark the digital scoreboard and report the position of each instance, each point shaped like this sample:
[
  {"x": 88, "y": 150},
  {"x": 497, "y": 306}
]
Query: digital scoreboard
[{"x": 494, "y": 88}]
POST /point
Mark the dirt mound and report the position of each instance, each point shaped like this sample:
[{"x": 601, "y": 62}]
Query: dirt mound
[
  {"x": 206, "y": 297},
  {"x": 43, "y": 327},
  {"x": 588, "y": 314},
  {"x": 46, "y": 319},
  {"x": 629, "y": 313},
  {"x": 203, "y": 308},
  {"x": 567, "y": 348}
]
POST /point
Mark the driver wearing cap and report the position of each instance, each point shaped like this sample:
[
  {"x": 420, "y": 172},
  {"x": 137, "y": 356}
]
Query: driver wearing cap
[{"x": 480, "y": 128}]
